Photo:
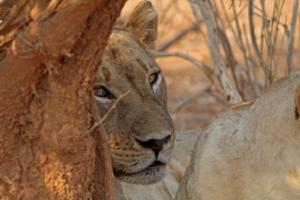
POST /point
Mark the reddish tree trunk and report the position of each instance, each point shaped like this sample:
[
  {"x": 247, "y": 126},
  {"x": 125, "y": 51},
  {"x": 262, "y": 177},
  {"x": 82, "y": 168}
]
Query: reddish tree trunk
[{"x": 49, "y": 52}]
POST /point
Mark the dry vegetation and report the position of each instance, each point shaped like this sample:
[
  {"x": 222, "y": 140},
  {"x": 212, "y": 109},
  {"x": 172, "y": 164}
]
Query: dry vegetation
[{"x": 253, "y": 43}]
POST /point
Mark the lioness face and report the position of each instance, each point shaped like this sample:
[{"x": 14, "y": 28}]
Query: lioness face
[{"x": 139, "y": 129}]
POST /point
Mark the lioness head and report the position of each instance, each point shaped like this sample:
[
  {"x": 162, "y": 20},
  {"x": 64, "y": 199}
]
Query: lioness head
[{"x": 139, "y": 128}]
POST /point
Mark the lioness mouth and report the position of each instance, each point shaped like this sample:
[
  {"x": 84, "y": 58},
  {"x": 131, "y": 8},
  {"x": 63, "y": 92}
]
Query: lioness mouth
[
  {"x": 156, "y": 163},
  {"x": 154, "y": 166}
]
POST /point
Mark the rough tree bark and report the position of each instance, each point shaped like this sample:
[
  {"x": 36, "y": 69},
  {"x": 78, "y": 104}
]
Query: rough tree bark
[{"x": 49, "y": 51}]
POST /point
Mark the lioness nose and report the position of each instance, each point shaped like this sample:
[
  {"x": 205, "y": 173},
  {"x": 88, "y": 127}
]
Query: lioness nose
[{"x": 154, "y": 144}]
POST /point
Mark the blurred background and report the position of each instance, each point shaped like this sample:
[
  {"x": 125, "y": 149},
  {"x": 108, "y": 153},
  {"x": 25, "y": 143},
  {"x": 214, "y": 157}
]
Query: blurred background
[{"x": 252, "y": 63}]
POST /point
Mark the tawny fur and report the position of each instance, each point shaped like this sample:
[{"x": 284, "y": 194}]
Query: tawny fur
[
  {"x": 251, "y": 152},
  {"x": 142, "y": 114}
]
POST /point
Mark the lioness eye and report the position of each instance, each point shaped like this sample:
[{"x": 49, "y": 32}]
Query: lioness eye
[
  {"x": 153, "y": 78},
  {"x": 103, "y": 92}
]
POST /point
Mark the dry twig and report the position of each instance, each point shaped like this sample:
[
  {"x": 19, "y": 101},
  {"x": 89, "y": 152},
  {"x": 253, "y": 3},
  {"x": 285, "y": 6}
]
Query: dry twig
[
  {"x": 208, "y": 16},
  {"x": 167, "y": 44},
  {"x": 105, "y": 116},
  {"x": 200, "y": 64},
  {"x": 268, "y": 73},
  {"x": 291, "y": 36}
]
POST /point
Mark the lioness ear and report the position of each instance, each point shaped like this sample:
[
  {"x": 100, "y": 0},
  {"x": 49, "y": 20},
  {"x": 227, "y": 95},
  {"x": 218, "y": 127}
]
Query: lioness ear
[
  {"x": 142, "y": 24},
  {"x": 297, "y": 102}
]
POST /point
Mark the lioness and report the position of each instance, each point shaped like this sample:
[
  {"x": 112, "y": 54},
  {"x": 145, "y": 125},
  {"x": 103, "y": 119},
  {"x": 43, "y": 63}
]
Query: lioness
[
  {"x": 139, "y": 129},
  {"x": 251, "y": 152}
]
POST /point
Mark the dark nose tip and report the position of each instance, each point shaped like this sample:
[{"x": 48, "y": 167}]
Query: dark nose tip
[{"x": 154, "y": 144}]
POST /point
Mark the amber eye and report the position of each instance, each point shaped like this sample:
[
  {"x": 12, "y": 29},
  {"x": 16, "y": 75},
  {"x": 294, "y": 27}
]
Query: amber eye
[
  {"x": 153, "y": 78},
  {"x": 103, "y": 92}
]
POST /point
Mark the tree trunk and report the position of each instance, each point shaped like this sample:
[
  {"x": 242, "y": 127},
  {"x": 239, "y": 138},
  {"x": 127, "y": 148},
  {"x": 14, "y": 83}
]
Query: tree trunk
[{"x": 49, "y": 52}]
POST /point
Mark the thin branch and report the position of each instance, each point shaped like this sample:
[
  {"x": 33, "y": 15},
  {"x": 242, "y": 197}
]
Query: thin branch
[
  {"x": 167, "y": 44},
  {"x": 237, "y": 15},
  {"x": 242, "y": 45},
  {"x": 229, "y": 56},
  {"x": 180, "y": 106},
  {"x": 200, "y": 64},
  {"x": 106, "y": 115},
  {"x": 273, "y": 33},
  {"x": 208, "y": 89},
  {"x": 203, "y": 10},
  {"x": 266, "y": 18},
  {"x": 291, "y": 36},
  {"x": 165, "y": 11},
  {"x": 251, "y": 65},
  {"x": 268, "y": 73}
]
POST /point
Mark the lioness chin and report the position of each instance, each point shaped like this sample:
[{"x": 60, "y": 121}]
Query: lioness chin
[
  {"x": 251, "y": 152},
  {"x": 139, "y": 129}
]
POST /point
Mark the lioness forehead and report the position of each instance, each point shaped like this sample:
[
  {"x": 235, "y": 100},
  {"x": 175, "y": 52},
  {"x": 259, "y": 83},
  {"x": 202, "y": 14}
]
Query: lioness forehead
[
  {"x": 125, "y": 62},
  {"x": 122, "y": 49}
]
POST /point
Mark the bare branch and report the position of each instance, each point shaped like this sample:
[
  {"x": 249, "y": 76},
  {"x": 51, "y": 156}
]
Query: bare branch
[
  {"x": 242, "y": 44},
  {"x": 167, "y": 44},
  {"x": 165, "y": 11},
  {"x": 291, "y": 34},
  {"x": 268, "y": 73},
  {"x": 207, "y": 89},
  {"x": 106, "y": 115},
  {"x": 202, "y": 65},
  {"x": 208, "y": 16},
  {"x": 189, "y": 100}
]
